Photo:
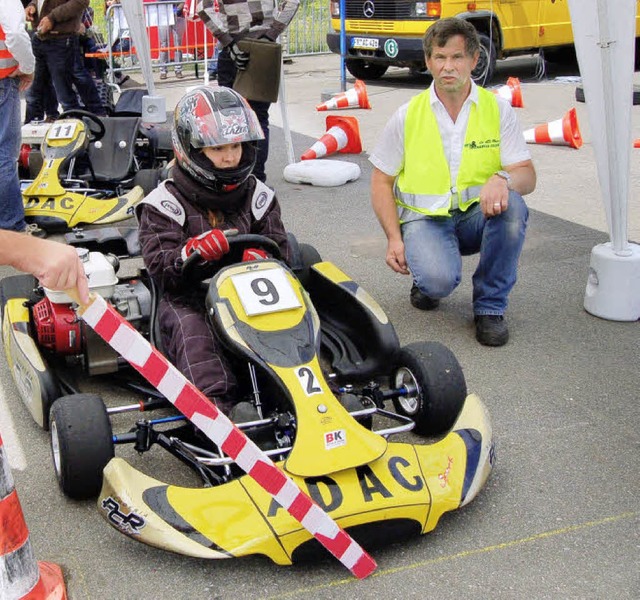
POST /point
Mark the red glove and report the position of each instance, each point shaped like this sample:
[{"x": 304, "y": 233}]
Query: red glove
[
  {"x": 253, "y": 254},
  {"x": 211, "y": 245}
]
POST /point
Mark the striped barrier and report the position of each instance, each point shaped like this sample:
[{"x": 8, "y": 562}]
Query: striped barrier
[
  {"x": 21, "y": 576},
  {"x": 114, "y": 329}
]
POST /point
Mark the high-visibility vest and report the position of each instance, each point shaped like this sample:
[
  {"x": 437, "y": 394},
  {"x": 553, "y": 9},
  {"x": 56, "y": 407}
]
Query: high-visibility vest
[
  {"x": 424, "y": 184},
  {"x": 8, "y": 64}
]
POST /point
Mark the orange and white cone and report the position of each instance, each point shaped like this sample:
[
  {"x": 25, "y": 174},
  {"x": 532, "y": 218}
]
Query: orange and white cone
[
  {"x": 511, "y": 92},
  {"x": 21, "y": 577},
  {"x": 343, "y": 135},
  {"x": 353, "y": 98},
  {"x": 561, "y": 132}
]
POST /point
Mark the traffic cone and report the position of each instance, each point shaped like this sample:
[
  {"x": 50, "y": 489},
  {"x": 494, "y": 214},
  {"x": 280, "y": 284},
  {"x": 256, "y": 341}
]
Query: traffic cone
[
  {"x": 636, "y": 143},
  {"x": 511, "y": 92},
  {"x": 21, "y": 577},
  {"x": 343, "y": 135},
  {"x": 353, "y": 98},
  {"x": 561, "y": 132}
]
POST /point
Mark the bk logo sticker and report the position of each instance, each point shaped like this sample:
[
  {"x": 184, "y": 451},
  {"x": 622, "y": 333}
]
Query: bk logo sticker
[{"x": 334, "y": 439}]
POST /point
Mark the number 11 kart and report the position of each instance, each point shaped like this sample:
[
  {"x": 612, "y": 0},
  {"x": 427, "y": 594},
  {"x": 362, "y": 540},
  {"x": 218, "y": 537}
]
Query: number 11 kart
[{"x": 317, "y": 360}]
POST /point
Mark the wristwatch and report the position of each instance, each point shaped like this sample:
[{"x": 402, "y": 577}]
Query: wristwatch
[{"x": 506, "y": 177}]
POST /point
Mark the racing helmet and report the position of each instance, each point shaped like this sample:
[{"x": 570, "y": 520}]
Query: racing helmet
[{"x": 214, "y": 116}]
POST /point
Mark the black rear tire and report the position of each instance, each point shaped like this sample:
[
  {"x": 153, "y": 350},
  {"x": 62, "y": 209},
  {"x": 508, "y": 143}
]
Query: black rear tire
[
  {"x": 435, "y": 384},
  {"x": 147, "y": 179},
  {"x": 81, "y": 444},
  {"x": 362, "y": 69}
]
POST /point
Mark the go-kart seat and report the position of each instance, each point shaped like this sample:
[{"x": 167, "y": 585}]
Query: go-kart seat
[{"x": 112, "y": 156}]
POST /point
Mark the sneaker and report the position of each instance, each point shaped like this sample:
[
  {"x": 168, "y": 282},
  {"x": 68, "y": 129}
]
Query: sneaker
[
  {"x": 422, "y": 301},
  {"x": 179, "y": 74},
  {"x": 163, "y": 75},
  {"x": 34, "y": 230},
  {"x": 243, "y": 412},
  {"x": 491, "y": 330}
]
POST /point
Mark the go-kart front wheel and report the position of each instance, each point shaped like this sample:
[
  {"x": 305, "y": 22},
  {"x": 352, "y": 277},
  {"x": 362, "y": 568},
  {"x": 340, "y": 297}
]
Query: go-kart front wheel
[
  {"x": 434, "y": 384},
  {"x": 81, "y": 444}
]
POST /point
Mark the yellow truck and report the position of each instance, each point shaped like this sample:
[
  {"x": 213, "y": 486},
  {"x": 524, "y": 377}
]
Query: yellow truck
[{"x": 384, "y": 33}]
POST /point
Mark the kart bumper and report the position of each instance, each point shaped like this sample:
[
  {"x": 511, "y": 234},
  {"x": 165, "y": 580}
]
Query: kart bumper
[{"x": 409, "y": 483}]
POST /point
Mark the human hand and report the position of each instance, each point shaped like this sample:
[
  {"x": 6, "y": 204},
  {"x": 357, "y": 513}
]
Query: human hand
[
  {"x": 494, "y": 197},
  {"x": 211, "y": 245},
  {"x": 253, "y": 254},
  {"x": 239, "y": 57},
  {"x": 25, "y": 80},
  {"x": 29, "y": 13},
  {"x": 45, "y": 26},
  {"x": 395, "y": 257}
]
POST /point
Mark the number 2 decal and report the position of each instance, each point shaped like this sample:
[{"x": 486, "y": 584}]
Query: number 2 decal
[{"x": 308, "y": 381}]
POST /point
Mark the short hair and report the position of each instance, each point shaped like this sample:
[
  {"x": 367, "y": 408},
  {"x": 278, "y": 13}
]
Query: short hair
[{"x": 444, "y": 29}]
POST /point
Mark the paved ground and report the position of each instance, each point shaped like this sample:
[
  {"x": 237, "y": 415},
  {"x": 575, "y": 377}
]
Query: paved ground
[{"x": 559, "y": 517}]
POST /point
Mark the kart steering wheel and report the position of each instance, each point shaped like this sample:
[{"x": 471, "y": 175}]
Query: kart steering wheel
[
  {"x": 196, "y": 268},
  {"x": 77, "y": 113}
]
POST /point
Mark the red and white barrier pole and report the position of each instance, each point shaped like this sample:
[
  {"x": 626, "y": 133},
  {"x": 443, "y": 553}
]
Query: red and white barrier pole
[{"x": 114, "y": 329}]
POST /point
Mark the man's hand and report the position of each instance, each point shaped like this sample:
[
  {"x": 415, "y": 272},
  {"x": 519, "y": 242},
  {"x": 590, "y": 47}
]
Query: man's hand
[
  {"x": 494, "y": 196},
  {"x": 30, "y": 13},
  {"x": 45, "y": 25},
  {"x": 211, "y": 245},
  {"x": 395, "y": 257},
  {"x": 25, "y": 80},
  {"x": 239, "y": 57}
]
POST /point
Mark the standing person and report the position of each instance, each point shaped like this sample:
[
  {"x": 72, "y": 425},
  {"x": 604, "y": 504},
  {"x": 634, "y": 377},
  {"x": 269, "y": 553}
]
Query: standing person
[
  {"x": 233, "y": 20},
  {"x": 451, "y": 168},
  {"x": 211, "y": 190},
  {"x": 55, "y": 46},
  {"x": 17, "y": 64},
  {"x": 171, "y": 34}
]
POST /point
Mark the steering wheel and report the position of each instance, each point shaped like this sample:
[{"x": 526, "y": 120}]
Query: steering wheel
[
  {"x": 97, "y": 133},
  {"x": 196, "y": 268}
]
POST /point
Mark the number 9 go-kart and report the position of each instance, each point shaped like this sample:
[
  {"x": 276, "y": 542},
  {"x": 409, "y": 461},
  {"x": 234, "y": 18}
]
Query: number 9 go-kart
[
  {"x": 88, "y": 170},
  {"x": 319, "y": 361}
]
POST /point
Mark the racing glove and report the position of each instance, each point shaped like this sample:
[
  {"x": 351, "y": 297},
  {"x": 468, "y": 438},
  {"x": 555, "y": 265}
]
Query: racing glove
[
  {"x": 211, "y": 245},
  {"x": 253, "y": 254},
  {"x": 239, "y": 57}
]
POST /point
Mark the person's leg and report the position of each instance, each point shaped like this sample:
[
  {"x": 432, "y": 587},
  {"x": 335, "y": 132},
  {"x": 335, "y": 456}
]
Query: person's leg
[
  {"x": 86, "y": 86},
  {"x": 432, "y": 254},
  {"x": 262, "y": 112},
  {"x": 35, "y": 95},
  {"x": 61, "y": 56},
  {"x": 226, "y": 69},
  {"x": 499, "y": 241},
  {"x": 179, "y": 30},
  {"x": 11, "y": 207},
  {"x": 163, "y": 57}
]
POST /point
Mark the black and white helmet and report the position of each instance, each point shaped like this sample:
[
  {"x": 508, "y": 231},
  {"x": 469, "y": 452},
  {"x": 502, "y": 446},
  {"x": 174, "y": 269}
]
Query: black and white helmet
[{"x": 214, "y": 116}]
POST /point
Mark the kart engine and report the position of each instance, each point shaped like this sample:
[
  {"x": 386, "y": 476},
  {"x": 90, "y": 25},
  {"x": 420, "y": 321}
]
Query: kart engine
[{"x": 59, "y": 329}]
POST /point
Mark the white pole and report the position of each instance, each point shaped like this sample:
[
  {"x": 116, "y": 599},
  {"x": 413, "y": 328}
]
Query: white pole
[{"x": 282, "y": 100}]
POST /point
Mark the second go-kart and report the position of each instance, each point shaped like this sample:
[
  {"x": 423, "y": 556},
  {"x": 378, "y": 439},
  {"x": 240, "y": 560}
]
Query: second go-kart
[
  {"x": 322, "y": 362},
  {"x": 91, "y": 170}
]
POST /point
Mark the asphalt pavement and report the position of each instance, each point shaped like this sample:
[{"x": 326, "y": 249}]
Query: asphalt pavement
[{"x": 560, "y": 515}]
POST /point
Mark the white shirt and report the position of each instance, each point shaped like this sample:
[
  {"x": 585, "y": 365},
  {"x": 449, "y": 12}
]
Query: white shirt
[
  {"x": 388, "y": 154},
  {"x": 17, "y": 38}
]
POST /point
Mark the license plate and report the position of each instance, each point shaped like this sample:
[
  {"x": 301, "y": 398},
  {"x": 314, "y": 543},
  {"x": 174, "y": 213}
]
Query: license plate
[{"x": 365, "y": 43}]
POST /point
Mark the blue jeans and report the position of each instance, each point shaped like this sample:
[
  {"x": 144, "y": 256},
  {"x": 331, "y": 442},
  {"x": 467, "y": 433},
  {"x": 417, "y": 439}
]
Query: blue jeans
[
  {"x": 226, "y": 76},
  {"x": 57, "y": 57},
  {"x": 11, "y": 207},
  {"x": 434, "y": 248}
]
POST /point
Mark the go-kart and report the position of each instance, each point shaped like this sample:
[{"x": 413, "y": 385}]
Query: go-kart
[
  {"x": 89, "y": 169},
  {"x": 322, "y": 362}
]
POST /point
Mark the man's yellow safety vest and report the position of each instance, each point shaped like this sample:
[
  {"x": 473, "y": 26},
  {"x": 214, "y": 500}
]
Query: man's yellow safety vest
[
  {"x": 8, "y": 64},
  {"x": 424, "y": 184}
]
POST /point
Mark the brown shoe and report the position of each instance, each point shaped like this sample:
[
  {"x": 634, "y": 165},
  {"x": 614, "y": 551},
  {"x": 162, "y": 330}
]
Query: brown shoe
[
  {"x": 422, "y": 301},
  {"x": 163, "y": 75},
  {"x": 179, "y": 74}
]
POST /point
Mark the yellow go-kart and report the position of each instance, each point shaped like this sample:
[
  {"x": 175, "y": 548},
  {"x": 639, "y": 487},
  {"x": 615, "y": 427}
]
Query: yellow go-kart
[
  {"x": 321, "y": 363},
  {"x": 92, "y": 170}
]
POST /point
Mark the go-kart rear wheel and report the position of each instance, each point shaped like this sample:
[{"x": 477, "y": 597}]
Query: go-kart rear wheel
[
  {"x": 435, "y": 385},
  {"x": 147, "y": 179},
  {"x": 81, "y": 444}
]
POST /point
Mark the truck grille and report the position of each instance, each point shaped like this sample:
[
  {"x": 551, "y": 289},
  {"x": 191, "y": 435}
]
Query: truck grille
[{"x": 382, "y": 9}]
